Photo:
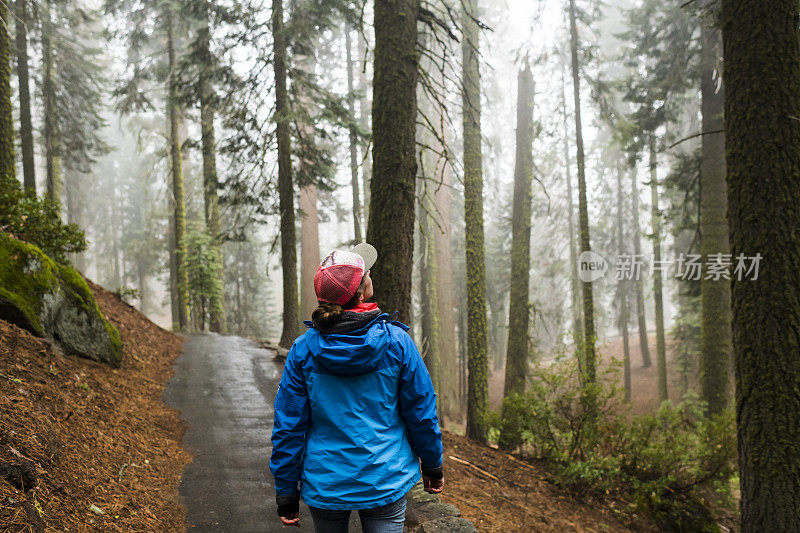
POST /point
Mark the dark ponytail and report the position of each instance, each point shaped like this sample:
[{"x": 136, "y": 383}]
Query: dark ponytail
[{"x": 326, "y": 315}]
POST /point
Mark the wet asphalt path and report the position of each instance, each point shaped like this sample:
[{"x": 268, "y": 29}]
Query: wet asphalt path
[{"x": 225, "y": 388}]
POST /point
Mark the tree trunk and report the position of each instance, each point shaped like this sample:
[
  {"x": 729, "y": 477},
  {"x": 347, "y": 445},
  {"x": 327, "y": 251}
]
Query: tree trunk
[
  {"x": 173, "y": 274},
  {"x": 391, "y": 217},
  {"x": 438, "y": 265},
  {"x": 448, "y": 388},
  {"x": 351, "y": 103},
  {"x": 75, "y": 211},
  {"x": 637, "y": 283},
  {"x": 661, "y": 348},
  {"x": 588, "y": 364},
  {"x": 179, "y": 208},
  {"x": 309, "y": 222},
  {"x": 426, "y": 210},
  {"x": 8, "y": 172},
  {"x": 477, "y": 357},
  {"x": 577, "y": 326},
  {"x": 762, "y": 101},
  {"x": 518, "y": 347},
  {"x": 622, "y": 291},
  {"x": 51, "y": 138},
  {"x": 216, "y": 301},
  {"x": 446, "y": 301},
  {"x": 238, "y": 291},
  {"x": 365, "y": 106},
  {"x": 25, "y": 121},
  {"x": 716, "y": 338},
  {"x": 429, "y": 300},
  {"x": 462, "y": 352},
  {"x": 141, "y": 274},
  {"x": 291, "y": 319},
  {"x": 518, "y": 351},
  {"x": 113, "y": 219},
  {"x": 309, "y": 248}
]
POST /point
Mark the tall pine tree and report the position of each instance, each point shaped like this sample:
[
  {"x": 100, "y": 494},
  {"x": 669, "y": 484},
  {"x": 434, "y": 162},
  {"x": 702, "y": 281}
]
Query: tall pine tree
[
  {"x": 291, "y": 312},
  {"x": 394, "y": 114},
  {"x": 517, "y": 356},
  {"x": 8, "y": 172},
  {"x": 587, "y": 355},
  {"x": 762, "y": 136},
  {"x": 716, "y": 336},
  {"x": 477, "y": 356},
  {"x": 23, "y": 77}
]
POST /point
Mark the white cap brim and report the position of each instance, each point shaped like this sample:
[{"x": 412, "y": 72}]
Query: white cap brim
[{"x": 367, "y": 252}]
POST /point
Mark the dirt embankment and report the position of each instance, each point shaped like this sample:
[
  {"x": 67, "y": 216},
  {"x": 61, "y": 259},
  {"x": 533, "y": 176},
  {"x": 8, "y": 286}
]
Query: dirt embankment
[
  {"x": 108, "y": 451},
  {"x": 500, "y": 493}
]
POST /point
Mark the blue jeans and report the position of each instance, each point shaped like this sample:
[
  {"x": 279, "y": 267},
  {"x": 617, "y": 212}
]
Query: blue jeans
[{"x": 385, "y": 519}]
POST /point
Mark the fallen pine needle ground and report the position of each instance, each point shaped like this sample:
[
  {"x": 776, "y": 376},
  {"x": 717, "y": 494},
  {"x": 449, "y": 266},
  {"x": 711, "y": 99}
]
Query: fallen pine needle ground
[{"x": 107, "y": 450}]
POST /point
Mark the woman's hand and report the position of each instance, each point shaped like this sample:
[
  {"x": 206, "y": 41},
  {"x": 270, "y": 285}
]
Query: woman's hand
[
  {"x": 291, "y": 520},
  {"x": 433, "y": 479},
  {"x": 432, "y": 486},
  {"x": 289, "y": 509}
]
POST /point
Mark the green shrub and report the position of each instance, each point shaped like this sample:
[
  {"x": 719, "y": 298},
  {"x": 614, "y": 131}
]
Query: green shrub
[
  {"x": 38, "y": 221},
  {"x": 550, "y": 419},
  {"x": 661, "y": 462},
  {"x": 203, "y": 268}
]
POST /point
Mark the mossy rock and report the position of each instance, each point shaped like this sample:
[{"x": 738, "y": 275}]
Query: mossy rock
[
  {"x": 448, "y": 525},
  {"x": 53, "y": 301},
  {"x": 426, "y": 513}
]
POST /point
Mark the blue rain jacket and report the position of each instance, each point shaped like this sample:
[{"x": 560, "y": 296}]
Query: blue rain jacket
[{"x": 354, "y": 415}]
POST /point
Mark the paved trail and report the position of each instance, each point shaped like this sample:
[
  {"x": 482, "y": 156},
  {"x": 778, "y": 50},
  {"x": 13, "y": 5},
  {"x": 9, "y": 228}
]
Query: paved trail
[{"x": 224, "y": 387}]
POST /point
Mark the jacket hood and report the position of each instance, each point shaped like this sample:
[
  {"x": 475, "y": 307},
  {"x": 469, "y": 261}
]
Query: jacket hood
[{"x": 354, "y": 352}]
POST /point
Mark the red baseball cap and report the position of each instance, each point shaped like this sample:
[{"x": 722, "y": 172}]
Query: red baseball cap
[{"x": 339, "y": 275}]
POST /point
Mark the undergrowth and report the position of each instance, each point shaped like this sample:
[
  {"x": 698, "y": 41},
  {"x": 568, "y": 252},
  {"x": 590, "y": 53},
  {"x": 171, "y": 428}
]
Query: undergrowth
[{"x": 665, "y": 463}]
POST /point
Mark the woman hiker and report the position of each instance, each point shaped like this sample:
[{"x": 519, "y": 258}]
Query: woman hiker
[{"x": 355, "y": 414}]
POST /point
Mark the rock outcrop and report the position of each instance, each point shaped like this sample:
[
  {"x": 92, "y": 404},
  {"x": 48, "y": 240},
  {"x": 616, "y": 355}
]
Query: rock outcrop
[{"x": 53, "y": 301}]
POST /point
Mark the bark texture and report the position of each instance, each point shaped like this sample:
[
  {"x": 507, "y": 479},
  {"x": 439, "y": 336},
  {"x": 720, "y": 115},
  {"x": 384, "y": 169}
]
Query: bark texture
[
  {"x": 309, "y": 249},
  {"x": 216, "y": 302},
  {"x": 622, "y": 293},
  {"x": 351, "y": 102},
  {"x": 661, "y": 345},
  {"x": 52, "y": 146},
  {"x": 394, "y": 112},
  {"x": 173, "y": 276},
  {"x": 446, "y": 299},
  {"x": 477, "y": 357},
  {"x": 588, "y": 362},
  {"x": 577, "y": 325},
  {"x": 716, "y": 337},
  {"x": 762, "y": 136},
  {"x": 8, "y": 172},
  {"x": 439, "y": 232},
  {"x": 518, "y": 352},
  {"x": 426, "y": 213},
  {"x": 309, "y": 222},
  {"x": 429, "y": 280},
  {"x": 179, "y": 206},
  {"x": 291, "y": 312},
  {"x": 638, "y": 286},
  {"x": 364, "y": 108},
  {"x": 25, "y": 121}
]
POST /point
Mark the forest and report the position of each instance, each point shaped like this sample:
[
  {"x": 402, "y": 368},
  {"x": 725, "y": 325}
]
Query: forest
[{"x": 587, "y": 212}]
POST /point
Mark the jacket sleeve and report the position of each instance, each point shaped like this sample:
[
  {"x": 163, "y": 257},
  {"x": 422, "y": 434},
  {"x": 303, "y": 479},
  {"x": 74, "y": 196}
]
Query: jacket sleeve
[
  {"x": 292, "y": 415},
  {"x": 418, "y": 406}
]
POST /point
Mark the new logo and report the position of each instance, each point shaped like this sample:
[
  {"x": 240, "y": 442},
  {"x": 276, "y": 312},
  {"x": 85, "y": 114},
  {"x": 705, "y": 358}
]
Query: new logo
[{"x": 591, "y": 266}]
